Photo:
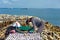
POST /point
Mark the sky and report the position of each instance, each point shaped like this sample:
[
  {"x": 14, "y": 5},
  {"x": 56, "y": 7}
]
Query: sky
[{"x": 29, "y": 3}]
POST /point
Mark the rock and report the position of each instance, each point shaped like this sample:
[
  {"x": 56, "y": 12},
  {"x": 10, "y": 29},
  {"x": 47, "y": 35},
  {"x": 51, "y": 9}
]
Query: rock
[{"x": 54, "y": 31}]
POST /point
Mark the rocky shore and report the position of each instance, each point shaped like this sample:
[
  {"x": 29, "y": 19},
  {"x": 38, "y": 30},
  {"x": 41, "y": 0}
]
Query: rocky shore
[{"x": 50, "y": 32}]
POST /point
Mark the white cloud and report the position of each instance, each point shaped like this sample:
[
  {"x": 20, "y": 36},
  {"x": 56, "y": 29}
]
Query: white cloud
[
  {"x": 9, "y": 1},
  {"x": 6, "y": 2},
  {"x": 14, "y": 0}
]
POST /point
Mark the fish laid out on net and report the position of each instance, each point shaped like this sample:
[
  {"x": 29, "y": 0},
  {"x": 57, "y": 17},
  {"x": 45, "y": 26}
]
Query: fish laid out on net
[{"x": 19, "y": 36}]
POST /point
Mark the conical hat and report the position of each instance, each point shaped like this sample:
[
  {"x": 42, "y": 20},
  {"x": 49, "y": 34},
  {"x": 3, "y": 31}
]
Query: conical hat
[
  {"x": 30, "y": 16},
  {"x": 22, "y": 17}
]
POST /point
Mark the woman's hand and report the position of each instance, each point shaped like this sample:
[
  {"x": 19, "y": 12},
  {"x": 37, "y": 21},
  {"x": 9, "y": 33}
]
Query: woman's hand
[{"x": 36, "y": 29}]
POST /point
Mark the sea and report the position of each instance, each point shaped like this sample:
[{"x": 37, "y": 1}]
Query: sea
[{"x": 52, "y": 15}]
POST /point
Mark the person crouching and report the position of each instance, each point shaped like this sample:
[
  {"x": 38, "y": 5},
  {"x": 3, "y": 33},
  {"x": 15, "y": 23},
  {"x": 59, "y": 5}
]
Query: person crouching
[{"x": 38, "y": 24}]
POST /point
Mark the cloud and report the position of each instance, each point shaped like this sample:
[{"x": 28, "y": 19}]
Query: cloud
[
  {"x": 6, "y": 2},
  {"x": 14, "y": 0},
  {"x": 10, "y": 3}
]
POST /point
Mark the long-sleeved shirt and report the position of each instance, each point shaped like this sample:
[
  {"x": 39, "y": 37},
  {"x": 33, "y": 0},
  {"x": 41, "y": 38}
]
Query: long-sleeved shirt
[{"x": 37, "y": 23}]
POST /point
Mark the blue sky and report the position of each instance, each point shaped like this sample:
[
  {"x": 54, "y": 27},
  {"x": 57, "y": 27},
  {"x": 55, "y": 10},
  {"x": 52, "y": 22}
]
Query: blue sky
[{"x": 29, "y": 3}]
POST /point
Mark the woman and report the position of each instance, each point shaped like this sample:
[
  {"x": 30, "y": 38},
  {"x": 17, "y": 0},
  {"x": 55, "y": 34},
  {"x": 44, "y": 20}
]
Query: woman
[{"x": 38, "y": 24}]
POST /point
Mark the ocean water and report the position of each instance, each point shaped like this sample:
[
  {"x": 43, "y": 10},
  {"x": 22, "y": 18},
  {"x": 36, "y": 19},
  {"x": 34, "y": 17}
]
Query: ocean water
[{"x": 51, "y": 15}]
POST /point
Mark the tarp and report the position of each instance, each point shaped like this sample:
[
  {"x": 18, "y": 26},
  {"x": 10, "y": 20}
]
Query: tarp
[{"x": 26, "y": 28}]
